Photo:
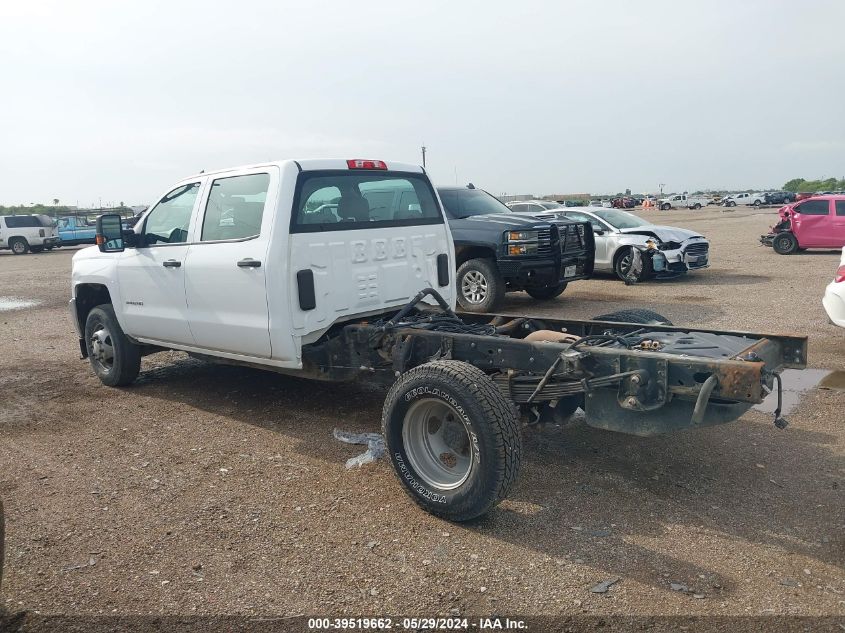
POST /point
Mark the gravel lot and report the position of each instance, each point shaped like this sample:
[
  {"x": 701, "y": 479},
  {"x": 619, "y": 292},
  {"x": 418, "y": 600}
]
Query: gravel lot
[{"x": 207, "y": 489}]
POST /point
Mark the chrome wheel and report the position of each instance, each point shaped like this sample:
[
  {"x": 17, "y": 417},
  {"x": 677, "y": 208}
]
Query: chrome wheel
[
  {"x": 625, "y": 263},
  {"x": 474, "y": 287},
  {"x": 18, "y": 247},
  {"x": 102, "y": 349},
  {"x": 437, "y": 443}
]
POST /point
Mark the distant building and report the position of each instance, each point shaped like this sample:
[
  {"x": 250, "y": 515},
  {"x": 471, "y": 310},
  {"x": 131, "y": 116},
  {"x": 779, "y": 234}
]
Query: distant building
[{"x": 516, "y": 198}]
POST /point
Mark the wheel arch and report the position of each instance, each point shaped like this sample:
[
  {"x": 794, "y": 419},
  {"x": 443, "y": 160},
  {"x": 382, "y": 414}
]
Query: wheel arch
[
  {"x": 89, "y": 296},
  {"x": 464, "y": 253}
]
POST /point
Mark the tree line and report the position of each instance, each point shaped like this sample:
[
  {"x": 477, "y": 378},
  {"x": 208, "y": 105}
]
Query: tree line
[{"x": 797, "y": 185}]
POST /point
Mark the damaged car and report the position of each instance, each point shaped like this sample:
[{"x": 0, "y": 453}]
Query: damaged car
[{"x": 636, "y": 250}]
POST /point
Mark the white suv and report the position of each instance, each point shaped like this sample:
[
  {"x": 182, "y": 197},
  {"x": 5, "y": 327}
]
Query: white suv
[{"x": 24, "y": 233}]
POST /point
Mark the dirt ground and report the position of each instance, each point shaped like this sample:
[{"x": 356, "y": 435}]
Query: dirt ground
[{"x": 206, "y": 489}]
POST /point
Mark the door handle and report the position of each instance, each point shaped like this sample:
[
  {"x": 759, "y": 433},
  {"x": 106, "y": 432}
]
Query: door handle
[
  {"x": 171, "y": 263},
  {"x": 249, "y": 263}
]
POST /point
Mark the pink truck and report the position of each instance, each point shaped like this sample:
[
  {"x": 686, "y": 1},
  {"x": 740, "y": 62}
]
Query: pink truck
[{"x": 817, "y": 222}]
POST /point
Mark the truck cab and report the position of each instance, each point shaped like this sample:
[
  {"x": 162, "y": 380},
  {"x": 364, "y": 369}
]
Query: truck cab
[{"x": 252, "y": 263}]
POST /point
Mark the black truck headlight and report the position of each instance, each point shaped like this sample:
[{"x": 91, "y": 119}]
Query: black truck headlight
[{"x": 520, "y": 243}]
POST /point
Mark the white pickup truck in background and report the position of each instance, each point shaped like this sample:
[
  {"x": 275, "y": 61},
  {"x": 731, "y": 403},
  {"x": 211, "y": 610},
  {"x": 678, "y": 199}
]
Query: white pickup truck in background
[
  {"x": 683, "y": 201},
  {"x": 344, "y": 270},
  {"x": 749, "y": 199}
]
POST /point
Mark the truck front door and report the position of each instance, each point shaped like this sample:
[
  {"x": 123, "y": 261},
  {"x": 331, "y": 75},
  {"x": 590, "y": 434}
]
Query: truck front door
[
  {"x": 152, "y": 276},
  {"x": 225, "y": 266}
]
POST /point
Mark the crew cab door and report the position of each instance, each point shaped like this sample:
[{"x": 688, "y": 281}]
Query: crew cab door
[
  {"x": 225, "y": 266},
  {"x": 152, "y": 276},
  {"x": 349, "y": 258}
]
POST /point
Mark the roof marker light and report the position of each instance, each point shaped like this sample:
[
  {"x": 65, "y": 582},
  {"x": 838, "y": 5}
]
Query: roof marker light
[{"x": 361, "y": 163}]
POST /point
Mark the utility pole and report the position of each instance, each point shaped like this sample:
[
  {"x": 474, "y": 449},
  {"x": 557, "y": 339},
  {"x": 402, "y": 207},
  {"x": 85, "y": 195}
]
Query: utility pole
[
  {"x": 423, "y": 155},
  {"x": 661, "y": 185}
]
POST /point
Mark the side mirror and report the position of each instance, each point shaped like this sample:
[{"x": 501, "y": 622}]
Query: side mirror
[
  {"x": 110, "y": 233},
  {"x": 598, "y": 231}
]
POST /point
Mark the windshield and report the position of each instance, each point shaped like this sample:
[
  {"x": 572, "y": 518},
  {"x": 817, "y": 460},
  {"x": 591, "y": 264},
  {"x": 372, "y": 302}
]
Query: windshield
[
  {"x": 463, "y": 203},
  {"x": 620, "y": 219}
]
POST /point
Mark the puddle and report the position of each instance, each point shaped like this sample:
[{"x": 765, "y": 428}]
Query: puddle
[
  {"x": 796, "y": 383},
  {"x": 13, "y": 303}
]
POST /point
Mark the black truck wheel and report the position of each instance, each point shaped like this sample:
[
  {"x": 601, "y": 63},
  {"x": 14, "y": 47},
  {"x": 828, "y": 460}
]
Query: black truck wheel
[
  {"x": 480, "y": 286},
  {"x": 547, "y": 292},
  {"x": 453, "y": 439},
  {"x": 635, "y": 315},
  {"x": 785, "y": 244},
  {"x": 113, "y": 357}
]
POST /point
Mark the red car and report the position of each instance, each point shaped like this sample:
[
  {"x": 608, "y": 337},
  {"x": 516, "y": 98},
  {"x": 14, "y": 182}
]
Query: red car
[{"x": 817, "y": 222}]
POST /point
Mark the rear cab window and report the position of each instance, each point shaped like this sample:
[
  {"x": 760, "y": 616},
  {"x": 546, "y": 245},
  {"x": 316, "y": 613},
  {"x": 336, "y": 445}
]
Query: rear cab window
[{"x": 338, "y": 200}]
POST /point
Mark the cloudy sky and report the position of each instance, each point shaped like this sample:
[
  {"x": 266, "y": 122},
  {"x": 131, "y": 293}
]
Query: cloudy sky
[{"x": 103, "y": 100}]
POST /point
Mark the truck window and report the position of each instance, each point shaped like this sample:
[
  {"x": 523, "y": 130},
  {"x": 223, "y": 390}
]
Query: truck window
[
  {"x": 840, "y": 208},
  {"x": 342, "y": 200},
  {"x": 168, "y": 222},
  {"x": 235, "y": 207},
  {"x": 814, "y": 207}
]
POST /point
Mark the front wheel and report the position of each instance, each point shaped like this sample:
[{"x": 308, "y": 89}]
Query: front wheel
[
  {"x": 547, "y": 292},
  {"x": 113, "y": 357},
  {"x": 665, "y": 207},
  {"x": 480, "y": 286},
  {"x": 623, "y": 262},
  {"x": 785, "y": 244},
  {"x": 453, "y": 439}
]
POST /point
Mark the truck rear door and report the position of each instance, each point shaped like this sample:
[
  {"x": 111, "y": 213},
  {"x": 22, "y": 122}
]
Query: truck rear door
[
  {"x": 365, "y": 236},
  {"x": 225, "y": 285}
]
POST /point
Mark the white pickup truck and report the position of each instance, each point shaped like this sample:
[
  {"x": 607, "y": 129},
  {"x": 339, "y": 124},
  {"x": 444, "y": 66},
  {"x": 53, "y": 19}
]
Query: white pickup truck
[
  {"x": 294, "y": 267},
  {"x": 682, "y": 200}
]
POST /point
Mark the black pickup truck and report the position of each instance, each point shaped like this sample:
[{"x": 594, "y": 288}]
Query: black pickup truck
[{"x": 498, "y": 251}]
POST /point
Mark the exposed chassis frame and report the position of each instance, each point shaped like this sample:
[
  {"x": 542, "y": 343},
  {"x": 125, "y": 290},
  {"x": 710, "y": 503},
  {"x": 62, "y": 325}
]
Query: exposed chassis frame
[{"x": 636, "y": 391}]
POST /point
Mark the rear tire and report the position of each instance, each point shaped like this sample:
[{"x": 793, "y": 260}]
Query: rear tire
[
  {"x": 635, "y": 315},
  {"x": 696, "y": 206},
  {"x": 19, "y": 246},
  {"x": 547, "y": 292},
  {"x": 453, "y": 439},
  {"x": 665, "y": 207},
  {"x": 757, "y": 203},
  {"x": 113, "y": 357},
  {"x": 785, "y": 244},
  {"x": 480, "y": 286}
]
